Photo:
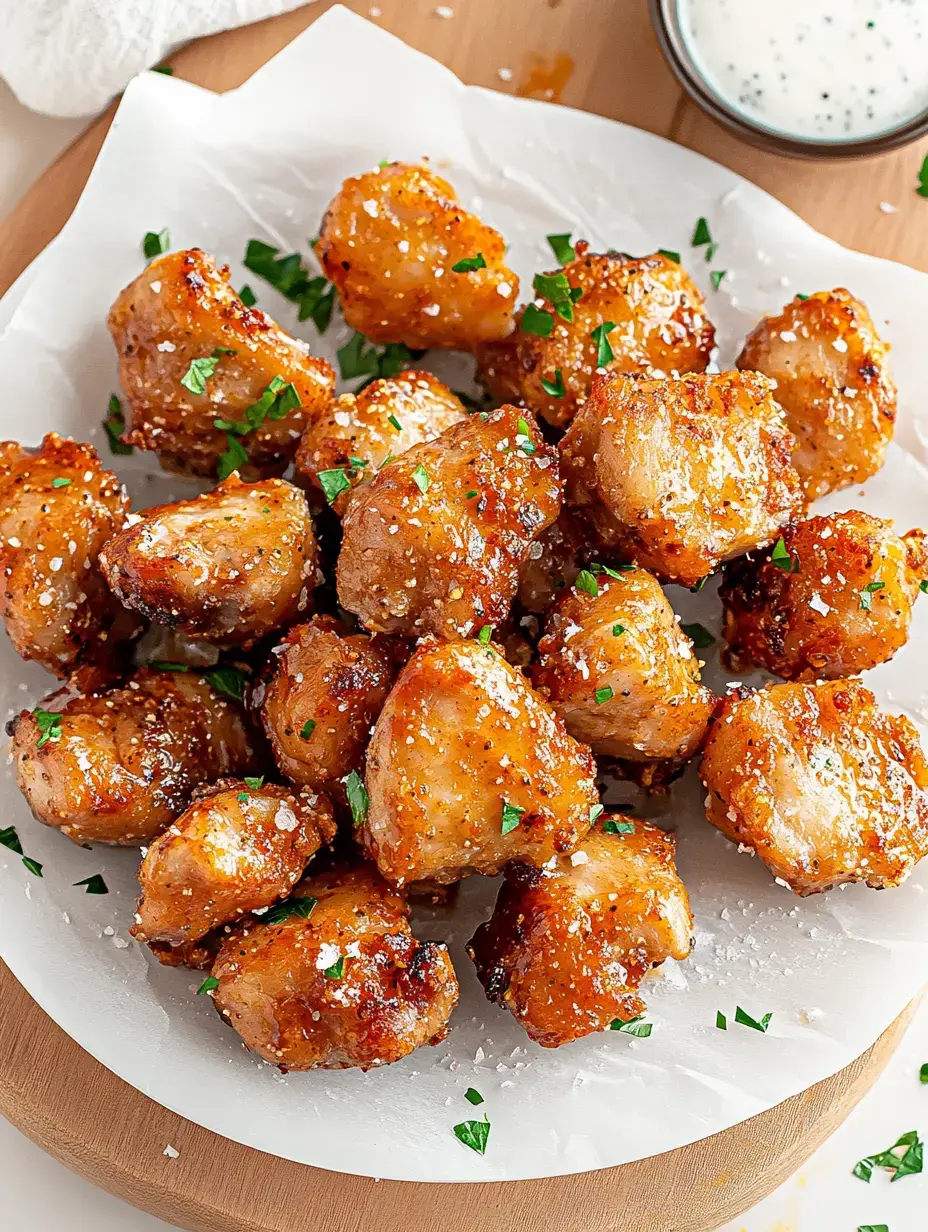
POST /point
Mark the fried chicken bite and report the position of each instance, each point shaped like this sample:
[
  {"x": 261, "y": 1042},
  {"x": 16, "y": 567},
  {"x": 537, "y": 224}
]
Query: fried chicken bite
[
  {"x": 832, "y": 598},
  {"x": 642, "y": 316},
  {"x": 354, "y": 438},
  {"x": 58, "y": 507},
  {"x": 411, "y": 265},
  {"x": 832, "y": 375},
  {"x": 194, "y": 955},
  {"x": 340, "y": 982},
  {"x": 325, "y": 689},
  {"x": 240, "y": 846},
  {"x": 469, "y": 767},
  {"x": 229, "y": 566},
  {"x": 620, "y": 671},
  {"x": 192, "y": 354},
  {"x": 820, "y": 783},
  {"x": 679, "y": 475},
  {"x": 551, "y": 563},
  {"x": 435, "y": 543},
  {"x": 568, "y": 944},
  {"x": 118, "y": 765}
]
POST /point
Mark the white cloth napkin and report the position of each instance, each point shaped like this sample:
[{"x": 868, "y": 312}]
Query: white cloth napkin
[{"x": 70, "y": 57}]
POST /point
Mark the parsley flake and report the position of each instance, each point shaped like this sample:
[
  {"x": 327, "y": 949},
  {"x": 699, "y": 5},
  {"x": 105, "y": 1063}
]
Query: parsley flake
[
  {"x": 632, "y": 1026},
  {"x": 358, "y": 799},
  {"x": 229, "y": 681},
  {"x": 165, "y": 69},
  {"x": 469, "y": 495},
  {"x": 207, "y": 986},
  {"x": 536, "y": 321},
  {"x": 604, "y": 352},
  {"x": 421, "y": 479},
  {"x": 596, "y": 811},
  {"x": 161, "y": 665},
  {"x": 94, "y": 884},
  {"x": 357, "y": 357},
  {"x": 467, "y": 264},
  {"x": 556, "y": 387},
  {"x": 721, "y": 1021},
  {"x": 49, "y": 725},
  {"x": 923, "y": 1073},
  {"x": 483, "y": 637},
  {"x": 562, "y": 248},
  {"x": 333, "y": 482},
  {"x": 618, "y": 630},
  {"x": 307, "y": 729},
  {"x": 783, "y": 559},
  {"x": 247, "y": 296},
  {"x": 394, "y": 423},
  {"x": 585, "y": 581},
  {"x": 254, "y": 784},
  {"x": 233, "y": 458},
  {"x": 473, "y": 1097},
  {"x": 618, "y": 827},
  {"x": 866, "y": 594},
  {"x": 701, "y": 234},
  {"x": 605, "y": 694},
  {"x": 302, "y": 907},
  {"x": 716, "y": 277},
  {"x": 747, "y": 1021},
  {"x": 114, "y": 425},
  {"x": 922, "y": 189},
  {"x": 202, "y": 369},
  {"x": 243, "y": 796},
  {"x": 524, "y": 438},
  {"x": 512, "y": 815},
  {"x": 557, "y": 289},
  {"x": 873, "y": 1227},
  {"x": 62, "y": 483},
  {"x": 669, "y": 254},
  {"x": 337, "y": 969},
  {"x": 474, "y": 1134},
  {"x": 293, "y": 279},
  {"x": 156, "y": 242},
  {"x": 699, "y": 635},
  {"x": 901, "y": 1162},
  {"x": 33, "y": 866},
  {"x": 10, "y": 839}
]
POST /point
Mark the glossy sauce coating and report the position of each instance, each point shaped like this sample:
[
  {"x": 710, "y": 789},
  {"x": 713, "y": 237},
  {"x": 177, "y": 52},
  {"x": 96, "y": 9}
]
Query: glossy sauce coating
[
  {"x": 463, "y": 735},
  {"x": 393, "y": 992},
  {"x": 182, "y": 308},
  {"x": 389, "y": 241},
  {"x": 552, "y": 562},
  {"x": 820, "y": 783},
  {"x": 568, "y": 945}
]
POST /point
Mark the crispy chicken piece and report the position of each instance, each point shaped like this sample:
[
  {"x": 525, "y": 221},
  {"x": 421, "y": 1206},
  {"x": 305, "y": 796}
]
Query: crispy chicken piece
[
  {"x": 551, "y": 563},
  {"x": 468, "y": 768},
  {"x": 239, "y": 847},
  {"x": 832, "y": 598},
  {"x": 118, "y": 765},
  {"x": 833, "y": 381},
  {"x": 194, "y": 955},
  {"x": 181, "y": 311},
  {"x": 353, "y": 439},
  {"x": 390, "y": 241},
  {"x": 229, "y": 566},
  {"x": 325, "y": 691},
  {"x": 621, "y": 673},
  {"x": 58, "y": 507},
  {"x": 659, "y": 328},
  {"x": 567, "y": 945},
  {"x": 679, "y": 475},
  {"x": 346, "y": 985},
  {"x": 820, "y": 783},
  {"x": 435, "y": 543}
]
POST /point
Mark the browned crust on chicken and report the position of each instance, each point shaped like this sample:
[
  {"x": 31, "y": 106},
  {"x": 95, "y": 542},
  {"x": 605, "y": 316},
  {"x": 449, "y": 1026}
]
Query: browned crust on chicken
[
  {"x": 552, "y": 562},
  {"x": 182, "y": 308},
  {"x": 394, "y": 993},
  {"x": 660, "y": 328},
  {"x": 389, "y": 241},
  {"x": 833, "y": 381},
  {"x": 568, "y": 945},
  {"x": 127, "y": 759}
]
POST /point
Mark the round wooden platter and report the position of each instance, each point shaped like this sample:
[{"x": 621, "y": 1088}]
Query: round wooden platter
[{"x": 104, "y": 1129}]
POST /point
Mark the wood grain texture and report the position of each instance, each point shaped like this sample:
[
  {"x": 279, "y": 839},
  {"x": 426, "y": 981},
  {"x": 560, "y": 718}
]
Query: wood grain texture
[{"x": 599, "y": 55}]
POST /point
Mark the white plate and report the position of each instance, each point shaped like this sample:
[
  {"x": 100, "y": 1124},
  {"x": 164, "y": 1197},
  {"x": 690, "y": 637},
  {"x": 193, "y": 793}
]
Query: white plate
[{"x": 263, "y": 161}]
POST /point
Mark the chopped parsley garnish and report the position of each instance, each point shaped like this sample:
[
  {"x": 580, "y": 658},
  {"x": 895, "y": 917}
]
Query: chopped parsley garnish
[
  {"x": 114, "y": 425},
  {"x": 632, "y": 1026},
  {"x": 333, "y": 482},
  {"x": 10, "y": 839},
  {"x": 799, "y": 295},
  {"x": 247, "y": 296},
  {"x": 556, "y": 387},
  {"x": 94, "y": 884},
  {"x": 711, "y": 250},
  {"x": 156, "y": 242},
  {"x": 161, "y": 665},
  {"x": 512, "y": 815},
  {"x": 233, "y": 458},
  {"x": 596, "y": 810},
  {"x": 605, "y": 694},
  {"x": 901, "y": 1162},
  {"x": 586, "y": 581},
  {"x": 873, "y": 1227},
  {"x": 49, "y": 725},
  {"x": 243, "y": 796},
  {"x": 612, "y": 572},
  {"x": 474, "y": 1134},
  {"x": 669, "y": 254},
  {"x": 165, "y": 69},
  {"x": 923, "y": 1073},
  {"x": 716, "y": 277},
  {"x": 421, "y": 479},
  {"x": 229, "y": 681},
  {"x": 922, "y": 189},
  {"x": 467, "y": 264},
  {"x": 536, "y": 321},
  {"x": 357, "y": 357},
  {"x": 923, "y": 586},
  {"x": 358, "y": 799},
  {"x": 866, "y": 594},
  {"x": 307, "y": 729},
  {"x": 314, "y": 295},
  {"x": 207, "y": 986},
  {"x": 783, "y": 558},
  {"x": 469, "y": 495},
  {"x": 483, "y": 637},
  {"x": 33, "y": 866},
  {"x": 557, "y": 289},
  {"x": 562, "y": 248},
  {"x": 618, "y": 630},
  {"x": 694, "y": 590},
  {"x": 699, "y": 635},
  {"x": 254, "y": 784},
  {"x": 618, "y": 827},
  {"x": 721, "y": 1021},
  {"x": 747, "y": 1021},
  {"x": 337, "y": 969},
  {"x": 524, "y": 438},
  {"x": 394, "y": 423},
  {"x": 278, "y": 400},
  {"x": 473, "y": 1097},
  {"x": 202, "y": 369},
  {"x": 604, "y": 352},
  {"x": 701, "y": 234},
  {"x": 302, "y": 907},
  {"x": 62, "y": 483}
]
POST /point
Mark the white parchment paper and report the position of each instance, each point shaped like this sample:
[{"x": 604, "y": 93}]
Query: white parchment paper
[{"x": 834, "y": 970}]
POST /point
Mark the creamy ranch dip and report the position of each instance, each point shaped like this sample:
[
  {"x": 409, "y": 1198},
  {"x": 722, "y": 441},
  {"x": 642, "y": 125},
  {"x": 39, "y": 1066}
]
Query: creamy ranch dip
[{"x": 837, "y": 70}]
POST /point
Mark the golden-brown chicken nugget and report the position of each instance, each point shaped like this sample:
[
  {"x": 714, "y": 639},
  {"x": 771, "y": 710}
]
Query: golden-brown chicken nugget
[
  {"x": 642, "y": 316},
  {"x": 820, "y": 783},
  {"x": 230, "y": 566},
  {"x": 241, "y": 845},
  {"x": 833, "y": 381},
  {"x": 469, "y": 767},
  {"x": 118, "y": 765},
  {"x": 831, "y": 598},
  {"x": 339, "y": 982},
  {"x": 568, "y": 944},
  {"x": 679, "y": 475},
  {"x": 411, "y": 265},
  {"x": 192, "y": 354},
  {"x": 436, "y": 542}
]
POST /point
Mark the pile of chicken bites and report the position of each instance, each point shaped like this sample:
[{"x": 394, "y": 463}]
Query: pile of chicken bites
[{"x": 412, "y": 662}]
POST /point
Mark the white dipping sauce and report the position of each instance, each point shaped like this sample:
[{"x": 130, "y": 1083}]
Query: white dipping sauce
[{"x": 838, "y": 70}]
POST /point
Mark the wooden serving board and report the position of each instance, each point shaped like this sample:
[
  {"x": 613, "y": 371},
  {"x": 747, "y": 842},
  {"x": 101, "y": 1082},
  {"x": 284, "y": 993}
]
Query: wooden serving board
[{"x": 602, "y": 56}]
